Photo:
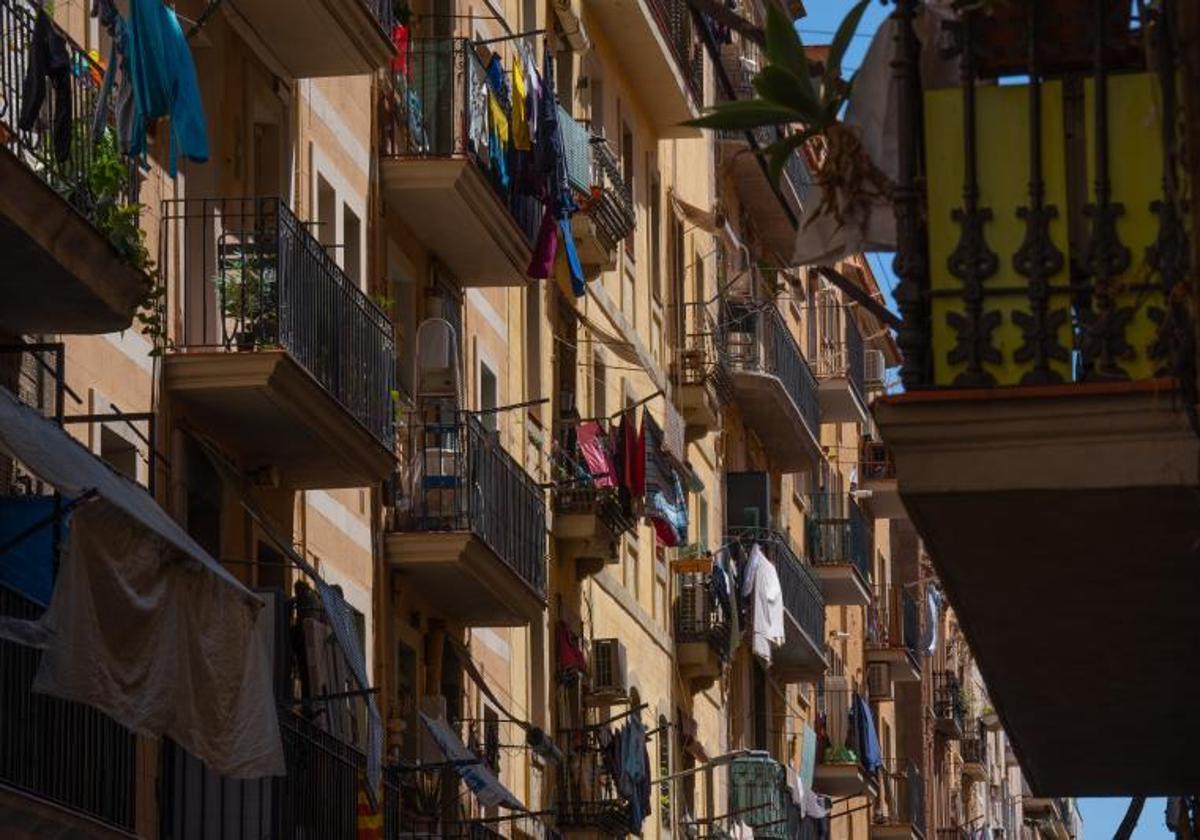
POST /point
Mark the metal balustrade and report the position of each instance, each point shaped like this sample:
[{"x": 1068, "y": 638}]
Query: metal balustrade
[
  {"x": 461, "y": 479},
  {"x": 893, "y": 620},
  {"x": 699, "y": 616},
  {"x": 844, "y": 355},
  {"x": 676, "y": 23},
  {"x": 903, "y": 795},
  {"x": 255, "y": 278},
  {"x": 801, "y": 591},
  {"x": 67, "y": 753},
  {"x": 838, "y": 532}
]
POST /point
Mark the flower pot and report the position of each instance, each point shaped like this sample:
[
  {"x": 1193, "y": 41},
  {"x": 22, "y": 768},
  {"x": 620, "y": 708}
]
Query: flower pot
[{"x": 1065, "y": 38}]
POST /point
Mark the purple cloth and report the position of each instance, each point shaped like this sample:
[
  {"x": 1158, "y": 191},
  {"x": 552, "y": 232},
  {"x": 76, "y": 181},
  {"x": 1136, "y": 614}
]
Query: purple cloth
[{"x": 541, "y": 263}]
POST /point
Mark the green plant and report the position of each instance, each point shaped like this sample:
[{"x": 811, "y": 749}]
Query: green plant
[{"x": 791, "y": 90}]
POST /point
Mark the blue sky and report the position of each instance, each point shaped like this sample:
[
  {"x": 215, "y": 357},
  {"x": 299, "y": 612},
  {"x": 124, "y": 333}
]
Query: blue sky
[{"x": 1102, "y": 816}]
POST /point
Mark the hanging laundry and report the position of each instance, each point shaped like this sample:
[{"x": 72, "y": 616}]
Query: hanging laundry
[
  {"x": 808, "y": 755},
  {"x": 740, "y": 831},
  {"x": 521, "y": 136},
  {"x": 545, "y": 248},
  {"x": 551, "y": 166},
  {"x": 768, "y": 607},
  {"x": 633, "y": 779},
  {"x": 164, "y": 81},
  {"x": 48, "y": 60},
  {"x": 795, "y": 789},
  {"x": 666, "y": 503},
  {"x": 570, "y": 655},
  {"x": 118, "y": 67},
  {"x": 868, "y": 740},
  {"x": 933, "y": 609},
  {"x": 595, "y": 448},
  {"x": 400, "y": 41},
  {"x": 533, "y": 81}
]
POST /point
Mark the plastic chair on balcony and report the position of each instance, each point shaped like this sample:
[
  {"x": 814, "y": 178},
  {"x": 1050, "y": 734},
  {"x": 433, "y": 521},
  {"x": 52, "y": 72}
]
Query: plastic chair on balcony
[{"x": 437, "y": 439}]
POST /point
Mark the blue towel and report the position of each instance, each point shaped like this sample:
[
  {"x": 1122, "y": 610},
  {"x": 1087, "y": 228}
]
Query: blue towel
[
  {"x": 164, "y": 81},
  {"x": 868, "y": 740}
]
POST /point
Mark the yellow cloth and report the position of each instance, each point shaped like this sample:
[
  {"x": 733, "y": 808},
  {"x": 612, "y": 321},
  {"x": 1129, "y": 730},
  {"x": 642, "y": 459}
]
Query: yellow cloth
[
  {"x": 499, "y": 118},
  {"x": 520, "y": 118}
]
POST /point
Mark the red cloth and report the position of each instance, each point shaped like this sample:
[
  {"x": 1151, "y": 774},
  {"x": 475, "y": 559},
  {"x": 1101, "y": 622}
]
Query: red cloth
[
  {"x": 570, "y": 657},
  {"x": 400, "y": 42},
  {"x": 633, "y": 456},
  {"x": 665, "y": 533},
  {"x": 593, "y": 444}
]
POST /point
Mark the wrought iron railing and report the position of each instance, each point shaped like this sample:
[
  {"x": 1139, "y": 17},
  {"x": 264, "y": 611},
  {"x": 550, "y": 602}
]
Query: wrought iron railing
[
  {"x": 318, "y": 796},
  {"x": 84, "y": 176},
  {"x": 801, "y": 591},
  {"x": 253, "y": 277},
  {"x": 588, "y": 799},
  {"x": 459, "y": 478},
  {"x": 893, "y": 620},
  {"x": 610, "y": 204},
  {"x": 676, "y": 23},
  {"x": 903, "y": 799},
  {"x": 67, "y": 753},
  {"x": 701, "y": 359},
  {"x": 577, "y": 490},
  {"x": 838, "y": 532},
  {"x": 875, "y": 461},
  {"x": 975, "y": 748},
  {"x": 438, "y": 112},
  {"x": 384, "y": 12},
  {"x": 759, "y": 797},
  {"x": 844, "y": 356},
  {"x": 1096, "y": 301},
  {"x": 699, "y": 615},
  {"x": 756, "y": 338},
  {"x": 836, "y": 706},
  {"x": 948, "y": 702}
]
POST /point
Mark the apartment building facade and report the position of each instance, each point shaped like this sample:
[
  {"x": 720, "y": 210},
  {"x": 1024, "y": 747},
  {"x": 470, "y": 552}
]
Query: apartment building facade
[{"x": 478, "y": 488}]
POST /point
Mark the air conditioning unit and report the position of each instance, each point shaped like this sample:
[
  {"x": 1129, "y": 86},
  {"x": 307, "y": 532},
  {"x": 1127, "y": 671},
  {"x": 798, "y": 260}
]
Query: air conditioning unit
[
  {"x": 610, "y": 680},
  {"x": 879, "y": 681},
  {"x": 874, "y": 367}
]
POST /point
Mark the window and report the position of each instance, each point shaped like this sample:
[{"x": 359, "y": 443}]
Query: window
[
  {"x": 351, "y": 246},
  {"x": 120, "y": 454},
  {"x": 627, "y": 173},
  {"x": 656, "y": 337},
  {"x": 702, "y": 520},
  {"x": 533, "y": 346},
  {"x": 678, "y": 270},
  {"x": 326, "y": 214},
  {"x": 655, "y": 234},
  {"x": 488, "y": 396},
  {"x": 599, "y": 387}
]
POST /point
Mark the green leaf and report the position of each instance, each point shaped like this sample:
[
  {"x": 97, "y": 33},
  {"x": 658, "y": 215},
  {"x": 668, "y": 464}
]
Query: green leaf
[
  {"x": 841, "y": 41},
  {"x": 785, "y": 50},
  {"x": 744, "y": 114},
  {"x": 783, "y": 88},
  {"x": 779, "y": 152}
]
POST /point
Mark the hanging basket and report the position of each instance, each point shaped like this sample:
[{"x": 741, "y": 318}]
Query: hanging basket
[{"x": 1065, "y": 40}]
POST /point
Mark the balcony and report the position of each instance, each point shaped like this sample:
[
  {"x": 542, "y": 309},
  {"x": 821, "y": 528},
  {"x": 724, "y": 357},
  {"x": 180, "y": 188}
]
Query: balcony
[
  {"x": 840, "y": 548},
  {"x": 702, "y": 384},
  {"x": 281, "y": 358},
  {"x": 1043, "y": 443},
  {"x": 701, "y": 630},
  {"x": 469, "y": 525},
  {"x": 974, "y": 751},
  {"x": 588, "y": 800},
  {"x": 841, "y": 370},
  {"x": 949, "y": 708},
  {"x": 893, "y": 633},
  {"x": 900, "y": 811},
  {"x": 657, "y": 46},
  {"x": 877, "y": 480},
  {"x": 802, "y": 656},
  {"x": 771, "y": 383},
  {"x": 66, "y": 769},
  {"x": 607, "y": 215},
  {"x": 839, "y": 770},
  {"x": 324, "y": 37},
  {"x": 589, "y": 515},
  {"x": 62, "y": 274},
  {"x": 776, "y": 207},
  {"x": 759, "y": 796},
  {"x": 439, "y": 180}
]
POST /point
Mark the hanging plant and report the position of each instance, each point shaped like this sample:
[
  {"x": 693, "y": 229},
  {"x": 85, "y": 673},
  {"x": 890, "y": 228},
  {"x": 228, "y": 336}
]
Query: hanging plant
[{"x": 792, "y": 91}]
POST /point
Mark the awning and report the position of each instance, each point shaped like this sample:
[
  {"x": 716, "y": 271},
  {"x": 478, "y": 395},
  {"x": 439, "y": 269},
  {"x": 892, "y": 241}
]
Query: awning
[
  {"x": 143, "y": 624},
  {"x": 482, "y": 781}
]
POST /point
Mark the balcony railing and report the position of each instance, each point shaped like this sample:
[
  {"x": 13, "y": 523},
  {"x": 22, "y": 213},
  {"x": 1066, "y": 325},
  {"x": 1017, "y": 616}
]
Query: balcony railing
[
  {"x": 255, "y": 278},
  {"x": 759, "y": 797},
  {"x": 948, "y": 703},
  {"x": 801, "y": 591},
  {"x": 756, "y": 338},
  {"x": 974, "y": 749},
  {"x": 699, "y": 616},
  {"x": 838, "y": 532},
  {"x": 702, "y": 354},
  {"x": 875, "y": 461},
  {"x": 579, "y": 490},
  {"x": 78, "y": 178},
  {"x": 67, "y": 753},
  {"x": 836, "y": 705},
  {"x": 610, "y": 203},
  {"x": 588, "y": 799},
  {"x": 461, "y": 479},
  {"x": 844, "y": 356},
  {"x": 893, "y": 620},
  {"x": 675, "y": 22},
  {"x": 436, "y": 113},
  {"x": 903, "y": 800},
  {"x": 318, "y": 796}
]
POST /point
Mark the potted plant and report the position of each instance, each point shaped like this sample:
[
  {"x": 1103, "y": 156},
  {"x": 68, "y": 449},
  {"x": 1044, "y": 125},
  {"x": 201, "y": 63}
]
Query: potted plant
[
  {"x": 247, "y": 293},
  {"x": 990, "y": 719}
]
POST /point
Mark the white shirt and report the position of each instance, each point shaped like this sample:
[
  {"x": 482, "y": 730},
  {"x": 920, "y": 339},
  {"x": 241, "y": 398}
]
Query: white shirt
[{"x": 768, "y": 606}]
